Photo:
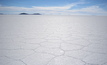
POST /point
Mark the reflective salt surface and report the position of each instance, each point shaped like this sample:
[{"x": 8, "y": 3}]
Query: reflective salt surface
[{"x": 53, "y": 40}]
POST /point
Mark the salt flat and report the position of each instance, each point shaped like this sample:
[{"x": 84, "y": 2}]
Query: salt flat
[{"x": 53, "y": 40}]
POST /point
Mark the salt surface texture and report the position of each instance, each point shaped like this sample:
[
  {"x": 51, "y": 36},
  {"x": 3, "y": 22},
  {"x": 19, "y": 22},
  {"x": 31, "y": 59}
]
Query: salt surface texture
[{"x": 53, "y": 40}]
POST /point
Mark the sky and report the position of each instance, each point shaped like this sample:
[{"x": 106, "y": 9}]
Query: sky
[{"x": 54, "y": 7}]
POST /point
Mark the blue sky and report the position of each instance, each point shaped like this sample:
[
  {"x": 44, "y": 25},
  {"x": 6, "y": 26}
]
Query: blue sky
[{"x": 55, "y": 7}]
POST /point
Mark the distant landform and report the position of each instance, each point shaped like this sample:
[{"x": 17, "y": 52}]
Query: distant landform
[{"x": 29, "y": 14}]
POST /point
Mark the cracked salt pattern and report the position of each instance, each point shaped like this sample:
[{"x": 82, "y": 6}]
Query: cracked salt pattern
[{"x": 53, "y": 40}]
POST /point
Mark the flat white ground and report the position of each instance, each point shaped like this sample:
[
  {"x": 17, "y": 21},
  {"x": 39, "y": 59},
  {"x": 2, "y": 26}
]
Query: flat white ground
[{"x": 53, "y": 40}]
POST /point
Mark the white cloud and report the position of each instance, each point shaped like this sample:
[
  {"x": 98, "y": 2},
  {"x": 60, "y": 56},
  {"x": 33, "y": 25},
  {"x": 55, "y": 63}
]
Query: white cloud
[
  {"x": 52, "y": 8},
  {"x": 92, "y": 9},
  {"x": 13, "y": 8},
  {"x": 57, "y": 10}
]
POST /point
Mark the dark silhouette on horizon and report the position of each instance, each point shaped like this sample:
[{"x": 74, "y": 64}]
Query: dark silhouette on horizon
[
  {"x": 23, "y": 13},
  {"x": 29, "y": 14},
  {"x": 36, "y": 14}
]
